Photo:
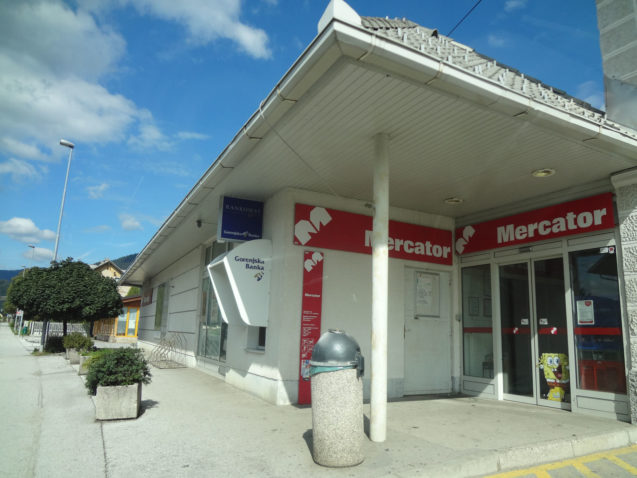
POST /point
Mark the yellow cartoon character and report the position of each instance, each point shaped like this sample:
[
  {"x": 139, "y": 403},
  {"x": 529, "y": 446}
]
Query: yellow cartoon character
[{"x": 555, "y": 368}]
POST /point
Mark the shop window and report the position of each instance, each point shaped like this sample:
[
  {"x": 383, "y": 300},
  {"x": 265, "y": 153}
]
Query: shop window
[
  {"x": 477, "y": 322},
  {"x": 159, "y": 306},
  {"x": 256, "y": 338},
  {"x": 597, "y": 320},
  {"x": 133, "y": 314},
  {"x": 121, "y": 323},
  {"x": 213, "y": 331}
]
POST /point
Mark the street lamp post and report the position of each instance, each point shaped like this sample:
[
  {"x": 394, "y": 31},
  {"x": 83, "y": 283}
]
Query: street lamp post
[{"x": 69, "y": 145}]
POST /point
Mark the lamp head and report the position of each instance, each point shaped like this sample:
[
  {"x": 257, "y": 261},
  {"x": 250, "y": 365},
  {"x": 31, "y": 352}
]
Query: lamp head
[{"x": 66, "y": 143}]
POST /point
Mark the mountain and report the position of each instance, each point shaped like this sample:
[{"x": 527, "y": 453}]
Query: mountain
[
  {"x": 124, "y": 262},
  {"x": 8, "y": 275}
]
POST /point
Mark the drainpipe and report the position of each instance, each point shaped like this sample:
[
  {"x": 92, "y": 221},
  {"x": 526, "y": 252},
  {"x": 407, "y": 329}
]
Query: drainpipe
[{"x": 380, "y": 266}]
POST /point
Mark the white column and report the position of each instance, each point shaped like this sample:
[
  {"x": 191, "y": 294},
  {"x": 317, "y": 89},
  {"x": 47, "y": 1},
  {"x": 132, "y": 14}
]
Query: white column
[{"x": 380, "y": 263}]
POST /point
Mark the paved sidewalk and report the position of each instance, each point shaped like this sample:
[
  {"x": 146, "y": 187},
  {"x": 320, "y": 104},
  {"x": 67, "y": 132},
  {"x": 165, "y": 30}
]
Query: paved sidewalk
[{"x": 194, "y": 425}]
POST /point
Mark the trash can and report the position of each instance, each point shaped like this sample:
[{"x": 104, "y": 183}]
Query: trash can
[{"x": 336, "y": 371}]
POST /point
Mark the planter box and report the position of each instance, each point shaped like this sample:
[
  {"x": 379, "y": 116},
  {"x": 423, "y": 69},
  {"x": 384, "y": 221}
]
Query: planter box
[
  {"x": 73, "y": 355},
  {"x": 118, "y": 402},
  {"x": 83, "y": 370}
]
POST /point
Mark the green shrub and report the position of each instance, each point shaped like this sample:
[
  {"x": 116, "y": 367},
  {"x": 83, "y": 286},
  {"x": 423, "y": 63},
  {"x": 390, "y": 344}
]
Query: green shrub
[
  {"x": 54, "y": 345},
  {"x": 124, "y": 366},
  {"x": 77, "y": 341}
]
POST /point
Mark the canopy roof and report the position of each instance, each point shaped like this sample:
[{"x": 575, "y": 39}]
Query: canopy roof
[{"x": 461, "y": 125}]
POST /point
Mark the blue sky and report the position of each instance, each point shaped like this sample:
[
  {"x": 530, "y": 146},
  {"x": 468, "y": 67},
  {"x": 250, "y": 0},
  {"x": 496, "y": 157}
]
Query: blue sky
[{"x": 151, "y": 91}]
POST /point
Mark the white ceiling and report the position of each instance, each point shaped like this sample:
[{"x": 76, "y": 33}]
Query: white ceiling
[{"x": 442, "y": 145}]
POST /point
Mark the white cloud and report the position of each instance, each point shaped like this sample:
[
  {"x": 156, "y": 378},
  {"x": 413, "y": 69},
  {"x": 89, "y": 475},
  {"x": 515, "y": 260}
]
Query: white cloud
[
  {"x": 38, "y": 254},
  {"x": 150, "y": 137},
  {"x": 46, "y": 108},
  {"x": 52, "y": 60},
  {"x": 24, "y": 230},
  {"x": 185, "y": 135},
  {"x": 23, "y": 150},
  {"x": 511, "y": 5},
  {"x": 20, "y": 171},
  {"x": 96, "y": 192},
  {"x": 129, "y": 222},
  {"x": 496, "y": 41},
  {"x": 98, "y": 229},
  {"x": 207, "y": 21},
  {"x": 52, "y": 38}
]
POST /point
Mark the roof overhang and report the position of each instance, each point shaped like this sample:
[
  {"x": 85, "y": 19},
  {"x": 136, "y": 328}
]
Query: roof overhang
[{"x": 453, "y": 134}]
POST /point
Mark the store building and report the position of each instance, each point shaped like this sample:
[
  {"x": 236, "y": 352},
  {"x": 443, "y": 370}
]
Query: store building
[{"x": 513, "y": 223}]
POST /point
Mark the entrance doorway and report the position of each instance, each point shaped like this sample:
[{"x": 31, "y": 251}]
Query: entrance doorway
[
  {"x": 427, "y": 332},
  {"x": 535, "y": 357}
]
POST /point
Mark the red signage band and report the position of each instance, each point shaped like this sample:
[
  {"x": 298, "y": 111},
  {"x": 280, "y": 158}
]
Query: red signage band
[
  {"x": 575, "y": 217},
  {"x": 325, "y": 228},
  {"x": 311, "y": 307}
]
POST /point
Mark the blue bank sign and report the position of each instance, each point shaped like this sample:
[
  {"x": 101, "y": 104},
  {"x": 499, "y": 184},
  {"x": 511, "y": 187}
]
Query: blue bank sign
[{"x": 240, "y": 219}]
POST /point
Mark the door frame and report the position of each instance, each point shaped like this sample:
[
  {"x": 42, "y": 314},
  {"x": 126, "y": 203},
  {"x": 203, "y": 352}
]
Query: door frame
[
  {"x": 530, "y": 258},
  {"x": 445, "y": 284}
]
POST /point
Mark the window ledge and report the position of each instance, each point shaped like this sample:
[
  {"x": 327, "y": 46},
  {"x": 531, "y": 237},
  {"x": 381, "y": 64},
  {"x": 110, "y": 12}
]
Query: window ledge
[{"x": 253, "y": 350}]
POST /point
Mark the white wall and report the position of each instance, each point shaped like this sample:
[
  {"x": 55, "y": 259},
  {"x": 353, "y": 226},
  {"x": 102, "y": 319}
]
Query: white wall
[
  {"x": 347, "y": 296},
  {"x": 182, "y": 280}
]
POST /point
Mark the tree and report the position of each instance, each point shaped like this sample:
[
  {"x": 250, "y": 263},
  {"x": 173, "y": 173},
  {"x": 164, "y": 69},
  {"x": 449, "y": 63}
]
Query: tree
[{"x": 67, "y": 291}]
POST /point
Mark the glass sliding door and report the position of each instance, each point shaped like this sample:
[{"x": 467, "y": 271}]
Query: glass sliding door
[
  {"x": 515, "y": 316},
  {"x": 552, "y": 335},
  {"x": 535, "y": 359}
]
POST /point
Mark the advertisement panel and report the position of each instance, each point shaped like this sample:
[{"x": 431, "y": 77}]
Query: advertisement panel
[
  {"x": 311, "y": 308},
  {"x": 325, "y": 228},
  {"x": 574, "y": 217},
  {"x": 240, "y": 219}
]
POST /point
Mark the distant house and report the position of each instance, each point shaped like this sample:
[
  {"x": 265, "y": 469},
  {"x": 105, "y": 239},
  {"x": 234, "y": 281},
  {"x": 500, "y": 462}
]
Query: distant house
[{"x": 124, "y": 327}]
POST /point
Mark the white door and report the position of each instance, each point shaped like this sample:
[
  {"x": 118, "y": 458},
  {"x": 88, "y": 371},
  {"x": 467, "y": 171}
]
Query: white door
[{"x": 427, "y": 332}]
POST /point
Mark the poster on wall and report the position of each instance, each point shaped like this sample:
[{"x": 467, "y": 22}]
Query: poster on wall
[
  {"x": 311, "y": 307},
  {"x": 427, "y": 294},
  {"x": 585, "y": 312}
]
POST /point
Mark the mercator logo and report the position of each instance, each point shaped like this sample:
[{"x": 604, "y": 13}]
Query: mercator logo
[
  {"x": 310, "y": 263},
  {"x": 304, "y": 229}
]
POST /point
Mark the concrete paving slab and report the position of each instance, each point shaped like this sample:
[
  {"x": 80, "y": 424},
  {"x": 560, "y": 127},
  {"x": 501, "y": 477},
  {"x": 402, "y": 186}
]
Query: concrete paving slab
[{"x": 193, "y": 424}]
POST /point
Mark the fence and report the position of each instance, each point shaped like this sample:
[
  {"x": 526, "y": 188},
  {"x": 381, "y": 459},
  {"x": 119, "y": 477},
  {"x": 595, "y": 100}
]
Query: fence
[{"x": 55, "y": 328}]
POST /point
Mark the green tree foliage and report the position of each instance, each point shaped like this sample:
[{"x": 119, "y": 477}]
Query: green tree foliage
[
  {"x": 134, "y": 292},
  {"x": 68, "y": 291}
]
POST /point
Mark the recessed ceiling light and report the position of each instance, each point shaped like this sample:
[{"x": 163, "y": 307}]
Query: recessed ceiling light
[
  {"x": 543, "y": 173},
  {"x": 454, "y": 201}
]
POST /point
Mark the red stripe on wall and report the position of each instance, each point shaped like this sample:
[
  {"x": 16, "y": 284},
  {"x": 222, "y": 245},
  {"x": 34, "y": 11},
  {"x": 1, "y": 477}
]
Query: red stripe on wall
[
  {"x": 478, "y": 330},
  {"x": 598, "y": 331}
]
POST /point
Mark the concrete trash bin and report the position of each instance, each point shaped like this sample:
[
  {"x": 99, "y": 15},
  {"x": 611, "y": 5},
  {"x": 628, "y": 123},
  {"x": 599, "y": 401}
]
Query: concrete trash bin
[{"x": 336, "y": 371}]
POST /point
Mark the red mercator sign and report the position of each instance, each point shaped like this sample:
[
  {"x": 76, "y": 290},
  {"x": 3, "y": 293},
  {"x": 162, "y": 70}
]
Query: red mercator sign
[
  {"x": 325, "y": 228},
  {"x": 590, "y": 214},
  {"x": 311, "y": 307}
]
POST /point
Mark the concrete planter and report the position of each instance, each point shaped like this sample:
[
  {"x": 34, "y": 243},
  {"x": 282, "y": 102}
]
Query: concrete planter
[
  {"x": 118, "y": 402},
  {"x": 83, "y": 370},
  {"x": 73, "y": 356}
]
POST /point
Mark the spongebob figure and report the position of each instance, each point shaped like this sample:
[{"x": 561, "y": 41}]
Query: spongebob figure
[{"x": 556, "y": 373}]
